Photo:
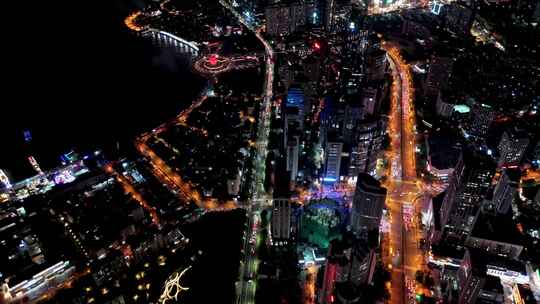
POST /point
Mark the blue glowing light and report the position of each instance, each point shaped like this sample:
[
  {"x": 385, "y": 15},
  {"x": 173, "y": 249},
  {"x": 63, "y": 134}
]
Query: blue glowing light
[{"x": 27, "y": 135}]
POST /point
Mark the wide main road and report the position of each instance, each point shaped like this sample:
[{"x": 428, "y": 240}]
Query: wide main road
[
  {"x": 403, "y": 255},
  {"x": 247, "y": 284}
]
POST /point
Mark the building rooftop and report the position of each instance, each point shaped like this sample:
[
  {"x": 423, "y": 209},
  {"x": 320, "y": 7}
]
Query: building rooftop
[
  {"x": 479, "y": 256},
  {"x": 444, "y": 150},
  {"x": 437, "y": 203},
  {"x": 477, "y": 159},
  {"x": 493, "y": 284},
  {"x": 500, "y": 228},
  {"x": 368, "y": 183}
]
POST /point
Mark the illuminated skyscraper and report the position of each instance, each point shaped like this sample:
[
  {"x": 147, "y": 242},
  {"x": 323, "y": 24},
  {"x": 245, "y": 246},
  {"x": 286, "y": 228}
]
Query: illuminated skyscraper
[
  {"x": 333, "y": 161},
  {"x": 506, "y": 190},
  {"x": 337, "y": 14},
  {"x": 371, "y": 100},
  {"x": 438, "y": 74},
  {"x": 458, "y": 18},
  {"x": 281, "y": 220},
  {"x": 287, "y": 18},
  {"x": 367, "y": 147},
  {"x": 512, "y": 147},
  {"x": 293, "y": 148},
  {"x": 351, "y": 261},
  {"x": 471, "y": 277},
  {"x": 480, "y": 120},
  {"x": 466, "y": 190},
  {"x": 368, "y": 204},
  {"x": 376, "y": 63}
]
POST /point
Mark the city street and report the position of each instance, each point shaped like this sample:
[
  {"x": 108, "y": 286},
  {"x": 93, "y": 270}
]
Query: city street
[
  {"x": 246, "y": 286},
  {"x": 404, "y": 256}
]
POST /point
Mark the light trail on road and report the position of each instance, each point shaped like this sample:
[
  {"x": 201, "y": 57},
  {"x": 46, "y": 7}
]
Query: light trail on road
[
  {"x": 403, "y": 256},
  {"x": 167, "y": 175},
  {"x": 246, "y": 292},
  {"x": 129, "y": 188}
]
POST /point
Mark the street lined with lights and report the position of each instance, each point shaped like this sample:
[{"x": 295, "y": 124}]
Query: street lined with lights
[{"x": 404, "y": 257}]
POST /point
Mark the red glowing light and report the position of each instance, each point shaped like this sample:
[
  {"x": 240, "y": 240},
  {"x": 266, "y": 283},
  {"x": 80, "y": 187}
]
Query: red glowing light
[
  {"x": 332, "y": 299},
  {"x": 213, "y": 59},
  {"x": 317, "y": 46}
]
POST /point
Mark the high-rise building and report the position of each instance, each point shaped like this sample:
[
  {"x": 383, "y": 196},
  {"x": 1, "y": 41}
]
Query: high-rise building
[
  {"x": 458, "y": 18},
  {"x": 348, "y": 261},
  {"x": 333, "y": 161},
  {"x": 293, "y": 147},
  {"x": 376, "y": 63},
  {"x": 294, "y": 122},
  {"x": 277, "y": 19},
  {"x": 298, "y": 15},
  {"x": 465, "y": 193},
  {"x": 471, "y": 276},
  {"x": 496, "y": 234},
  {"x": 287, "y": 18},
  {"x": 536, "y": 152},
  {"x": 506, "y": 190},
  {"x": 312, "y": 68},
  {"x": 368, "y": 204},
  {"x": 438, "y": 74},
  {"x": 353, "y": 114},
  {"x": 444, "y": 106},
  {"x": 281, "y": 220},
  {"x": 337, "y": 14},
  {"x": 294, "y": 114},
  {"x": 512, "y": 147},
  {"x": 480, "y": 120},
  {"x": 295, "y": 99},
  {"x": 371, "y": 100},
  {"x": 367, "y": 147}
]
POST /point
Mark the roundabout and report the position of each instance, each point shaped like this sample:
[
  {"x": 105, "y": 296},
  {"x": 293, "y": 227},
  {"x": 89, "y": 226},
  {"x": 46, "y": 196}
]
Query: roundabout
[{"x": 213, "y": 64}]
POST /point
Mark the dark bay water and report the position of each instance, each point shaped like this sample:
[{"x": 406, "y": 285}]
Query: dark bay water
[{"x": 77, "y": 78}]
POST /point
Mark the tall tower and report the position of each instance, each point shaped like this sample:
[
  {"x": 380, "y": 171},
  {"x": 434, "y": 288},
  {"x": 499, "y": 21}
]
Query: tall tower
[
  {"x": 468, "y": 186},
  {"x": 281, "y": 220},
  {"x": 438, "y": 74},
  {"x": 367, "y": 147},
  {"x": 368, "y": 205},
  {"x": 333, "y": 161},
  {"x": 471, "y": 277},
  {"x": 512, "y": 147},
  {"x": 506, "y": 190},
  {"x": 481, "y": 118}
]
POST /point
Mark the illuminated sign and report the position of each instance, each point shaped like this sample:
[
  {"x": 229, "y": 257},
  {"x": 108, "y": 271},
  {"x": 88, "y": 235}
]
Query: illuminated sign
[
  {"x": 27, "y": 136},
  {"x": 173, "y": 288},
  {"x": 462, "y": 109},
  {"x": 436, "y": 8},
  {"x": 516, "y": 295},
  {"x": 35, "y": 164},
  {"x": 4, "y": 179}
]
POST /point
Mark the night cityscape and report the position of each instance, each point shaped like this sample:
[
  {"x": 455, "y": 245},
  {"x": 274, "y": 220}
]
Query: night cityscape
[{"x": 271, "y": 152}]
